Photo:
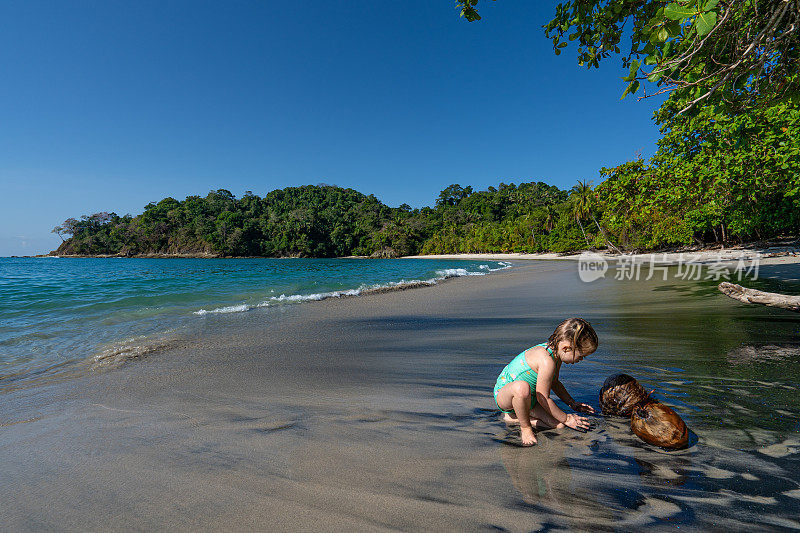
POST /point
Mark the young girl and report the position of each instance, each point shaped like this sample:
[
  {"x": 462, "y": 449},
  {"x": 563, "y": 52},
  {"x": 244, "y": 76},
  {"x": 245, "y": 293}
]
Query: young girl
[{"x": 523, "y": 388}]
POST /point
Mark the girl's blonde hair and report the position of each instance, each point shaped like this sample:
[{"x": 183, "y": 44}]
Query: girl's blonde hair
[{"x": 576, "y": 331}]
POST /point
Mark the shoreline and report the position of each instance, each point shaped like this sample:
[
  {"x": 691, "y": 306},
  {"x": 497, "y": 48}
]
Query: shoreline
[
  {"x": 772, "y": 252},
  {"x": 766, "y": 256}
]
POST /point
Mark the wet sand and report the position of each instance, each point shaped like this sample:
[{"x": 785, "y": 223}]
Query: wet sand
[{"x": 376, "y": 413}]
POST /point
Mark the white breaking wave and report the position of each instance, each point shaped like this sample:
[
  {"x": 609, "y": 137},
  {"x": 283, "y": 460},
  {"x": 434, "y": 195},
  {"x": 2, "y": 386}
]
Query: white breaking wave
[
  {"x": 313, "y": 297},
  {"x": 363, "y": 289},
  {"x": 229, "y": 309},
  {"x": 457, "y": 272},
  {"x": 503, "y": 265}
]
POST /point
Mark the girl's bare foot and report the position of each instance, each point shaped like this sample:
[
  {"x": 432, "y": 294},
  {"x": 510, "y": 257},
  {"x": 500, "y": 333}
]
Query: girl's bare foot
[
  {"x": 528, "y": 438},
  {"x": 513, "y": 421}
]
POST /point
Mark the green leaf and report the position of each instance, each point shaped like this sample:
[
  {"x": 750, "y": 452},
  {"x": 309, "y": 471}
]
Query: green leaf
[
  {"x": 627, "y": 90},
  {"x": 705, "y": 22},
  {"x": 678, "y": 12},
  {"x": 562, "y": 45},
  {"x": 711, "y": 4},
  {"x": 654, "y": 76},
  {"x": 663, "y": 34}
]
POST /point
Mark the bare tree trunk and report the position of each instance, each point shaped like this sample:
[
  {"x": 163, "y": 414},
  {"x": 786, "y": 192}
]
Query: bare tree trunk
[
  {"x": 752, "y": 296},
  {"x": 604, "y": 233},
  {"x": 585, "y": 238}
]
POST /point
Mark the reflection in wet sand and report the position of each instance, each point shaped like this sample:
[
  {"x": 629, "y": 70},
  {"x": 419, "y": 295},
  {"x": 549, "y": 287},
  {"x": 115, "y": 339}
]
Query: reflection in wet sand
[
  {"x": 751, "y": 354},
  {"x": 607, "y": 479},
  {"x": 544, "y": 478}
]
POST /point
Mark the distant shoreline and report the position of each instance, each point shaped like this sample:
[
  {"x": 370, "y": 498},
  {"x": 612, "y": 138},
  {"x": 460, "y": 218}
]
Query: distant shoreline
[
  {"x": 768, "y": 253},
  {"x": 766, "y": 256}
]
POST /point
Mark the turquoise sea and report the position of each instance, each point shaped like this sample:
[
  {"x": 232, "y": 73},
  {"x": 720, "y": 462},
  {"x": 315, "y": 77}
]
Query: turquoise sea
[{"x": 59, "y": 314}]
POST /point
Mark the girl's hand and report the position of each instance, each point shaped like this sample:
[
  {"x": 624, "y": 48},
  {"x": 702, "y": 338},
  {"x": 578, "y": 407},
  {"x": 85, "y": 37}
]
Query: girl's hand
[
  {"x": 583, "y": 408},
  {"x": 577, "y": 422}
]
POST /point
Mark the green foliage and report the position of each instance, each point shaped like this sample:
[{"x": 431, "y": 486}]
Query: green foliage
[
  {"x": 715, "y": 177},
  {"x": 735, "y": 53},
  {"x": 322, "y": 221}
]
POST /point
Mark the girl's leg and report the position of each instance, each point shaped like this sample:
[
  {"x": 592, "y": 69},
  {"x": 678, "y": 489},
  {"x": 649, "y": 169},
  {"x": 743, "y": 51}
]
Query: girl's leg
[
  {"x": 544, "y": 418},
  {"x": 517, "y": 396}
]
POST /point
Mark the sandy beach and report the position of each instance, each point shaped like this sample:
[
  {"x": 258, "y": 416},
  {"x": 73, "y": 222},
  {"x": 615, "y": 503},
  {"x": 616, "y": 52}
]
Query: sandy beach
[
  {"x": 767, "y": 255},
  {"x": 375, "y": 413}
]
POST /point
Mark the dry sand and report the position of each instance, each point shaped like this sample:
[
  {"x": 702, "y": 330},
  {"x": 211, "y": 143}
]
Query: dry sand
[
  {"x": 771, "y": 255},
  {"x": 375, "y": 413}
]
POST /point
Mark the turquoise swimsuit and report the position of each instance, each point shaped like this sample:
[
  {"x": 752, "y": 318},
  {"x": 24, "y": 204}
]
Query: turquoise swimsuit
[{"x": 519, "y": 370}]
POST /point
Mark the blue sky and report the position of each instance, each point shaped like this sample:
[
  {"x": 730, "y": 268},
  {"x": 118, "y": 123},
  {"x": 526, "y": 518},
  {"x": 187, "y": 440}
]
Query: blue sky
[{"x": 109, "y": 105}]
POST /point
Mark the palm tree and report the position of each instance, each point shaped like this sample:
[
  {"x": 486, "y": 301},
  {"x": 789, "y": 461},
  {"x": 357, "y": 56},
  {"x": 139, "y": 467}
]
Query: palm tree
[
  {"x": 580, "y": 196},
  {"x": 549, "y": 218},
  {"x": 583, "y": 203}
]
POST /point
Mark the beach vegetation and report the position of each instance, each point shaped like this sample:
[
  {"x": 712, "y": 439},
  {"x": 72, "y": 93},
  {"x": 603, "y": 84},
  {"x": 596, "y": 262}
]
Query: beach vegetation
[
  {"x": 735, "y": 54},
  {"x": 716, "y": 177},
  {"x": 691, "y": 191}
]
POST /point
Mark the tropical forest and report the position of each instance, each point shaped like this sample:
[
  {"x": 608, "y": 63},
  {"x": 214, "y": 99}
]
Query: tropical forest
[{"x": 726, "y": 168}]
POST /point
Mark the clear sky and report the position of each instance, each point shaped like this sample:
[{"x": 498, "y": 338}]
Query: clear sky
[{"x": 107, "y": 105}]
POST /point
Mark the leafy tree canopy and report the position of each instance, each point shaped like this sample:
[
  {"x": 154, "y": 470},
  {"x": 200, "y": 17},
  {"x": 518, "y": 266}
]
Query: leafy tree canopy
[{"x": 732, "y": 53}]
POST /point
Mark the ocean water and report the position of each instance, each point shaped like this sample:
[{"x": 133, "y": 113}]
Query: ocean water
[{"x": 61, "y": 315}]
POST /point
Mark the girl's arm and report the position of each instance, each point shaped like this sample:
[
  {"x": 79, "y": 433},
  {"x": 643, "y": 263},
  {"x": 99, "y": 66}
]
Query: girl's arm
[
  {"x": 544, "y": 383},
  {"x": 560, "y": 389},
  {"x": 562, "y": 393}
]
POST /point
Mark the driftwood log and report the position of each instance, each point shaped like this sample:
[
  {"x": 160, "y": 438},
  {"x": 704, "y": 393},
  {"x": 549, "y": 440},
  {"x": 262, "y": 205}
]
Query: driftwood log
[
  {"x": 657, "y": 424},
  {"x": 753, "y": 296}
]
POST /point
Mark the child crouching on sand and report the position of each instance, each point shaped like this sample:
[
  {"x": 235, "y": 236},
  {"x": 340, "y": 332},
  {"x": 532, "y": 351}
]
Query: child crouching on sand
[{"x": 523, "y": 388}]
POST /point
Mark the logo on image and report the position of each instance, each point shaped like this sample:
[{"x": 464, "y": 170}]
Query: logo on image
[{"x": 591, "y": 266}]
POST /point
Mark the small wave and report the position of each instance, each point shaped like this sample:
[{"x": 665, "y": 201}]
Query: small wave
[
  {"x": 457, "y": 272},
  {"x": 312, "y": 297},
  {"x": 134, "y": 348},
  {"x": 503, "y": 266},
  {"x": 441, "y": 275},
  {"x": 229, "y": 309}
]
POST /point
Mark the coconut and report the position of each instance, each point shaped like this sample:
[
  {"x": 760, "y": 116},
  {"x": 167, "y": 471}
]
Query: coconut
[
  {"x": 621, "y": 394},
  {"x": 657, "y": 424}
]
